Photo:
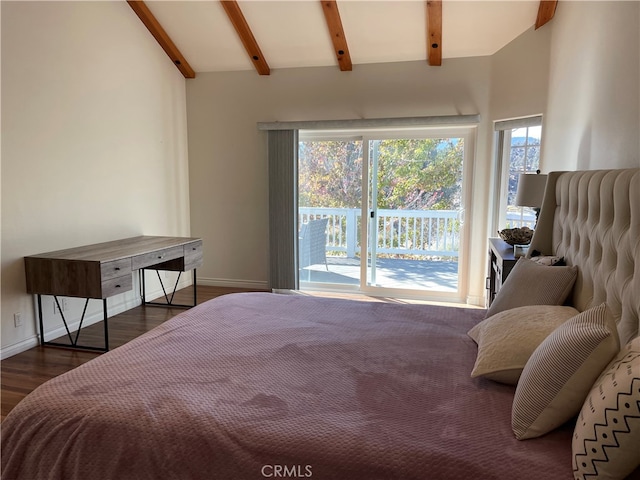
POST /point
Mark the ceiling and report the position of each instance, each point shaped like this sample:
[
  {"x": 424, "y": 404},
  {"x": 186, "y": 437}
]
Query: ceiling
[{"x": 294, "y": 33}]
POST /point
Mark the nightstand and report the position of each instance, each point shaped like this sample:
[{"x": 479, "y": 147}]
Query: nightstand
[{"x": 501, "y": 261}]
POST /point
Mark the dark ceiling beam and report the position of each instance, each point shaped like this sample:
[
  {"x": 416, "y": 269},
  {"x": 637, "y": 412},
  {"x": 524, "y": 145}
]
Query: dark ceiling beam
[
  {"x": 246, "y": 36},
  {"x": 334, "y": 22},
  {"x": 154, "y": 27},
  {"x": 434, "y": 32},
  {"x": 546, "y": 11}
]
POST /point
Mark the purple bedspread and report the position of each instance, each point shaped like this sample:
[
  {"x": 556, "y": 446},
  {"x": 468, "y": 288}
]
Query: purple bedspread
[{"x": 259, "y": 385}]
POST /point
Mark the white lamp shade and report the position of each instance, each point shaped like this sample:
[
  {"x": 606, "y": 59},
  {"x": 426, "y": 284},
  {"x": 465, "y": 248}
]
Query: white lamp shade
[{"x": 530, "y": 190}]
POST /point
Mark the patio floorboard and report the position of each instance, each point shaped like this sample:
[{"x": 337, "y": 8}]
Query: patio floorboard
[{"x": 432, "y": 275}]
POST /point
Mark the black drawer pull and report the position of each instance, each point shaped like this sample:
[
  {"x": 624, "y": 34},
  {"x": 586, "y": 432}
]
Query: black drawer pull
[
  {"x": 117, "y": 286},
  {"x": 117, "y": 268}
]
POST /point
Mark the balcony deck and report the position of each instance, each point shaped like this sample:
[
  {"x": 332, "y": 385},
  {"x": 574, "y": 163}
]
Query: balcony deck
[{"x": 441, "y": 276}]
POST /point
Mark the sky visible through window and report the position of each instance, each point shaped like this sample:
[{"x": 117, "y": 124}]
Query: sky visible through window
[{"x": 524, "y": 158}]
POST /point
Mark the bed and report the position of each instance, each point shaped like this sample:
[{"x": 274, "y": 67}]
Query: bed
[{"x": 262, "y": 385}]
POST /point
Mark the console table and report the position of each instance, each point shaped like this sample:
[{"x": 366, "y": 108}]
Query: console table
[{"x": 105, "y": 269}]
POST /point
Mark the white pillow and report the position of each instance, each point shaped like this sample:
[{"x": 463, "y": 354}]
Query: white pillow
[
  {"x": 530, "y": 283},
  {"x": 507, "y": 339},
  {"x": 561, "y": 371},
  {"x": 606, "y": 439}
]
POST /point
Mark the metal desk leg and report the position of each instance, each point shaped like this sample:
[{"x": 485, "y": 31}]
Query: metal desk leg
[
  {"x": 195, "y": 290},
  {"x": 168, "y": 298},
  {"x": 106, "y": 327},
  {"x": 40, "y": 319},
  {"x": 73, "y": 345}
]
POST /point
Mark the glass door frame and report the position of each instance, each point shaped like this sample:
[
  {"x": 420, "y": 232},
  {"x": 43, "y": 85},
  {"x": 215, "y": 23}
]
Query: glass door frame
[{"x": 468, "y": 133}]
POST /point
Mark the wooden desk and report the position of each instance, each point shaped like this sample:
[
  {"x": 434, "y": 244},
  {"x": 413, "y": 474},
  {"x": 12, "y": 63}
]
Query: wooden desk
[{"x": 105, "y": 269}]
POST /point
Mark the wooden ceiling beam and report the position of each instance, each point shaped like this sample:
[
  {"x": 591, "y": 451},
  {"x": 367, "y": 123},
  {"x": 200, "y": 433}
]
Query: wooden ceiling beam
[
  {"x": 546, "y": 11},
  {"x": 246, "y": 36},
  {"x": 334, "y": 22},
  {"x": 154, "y": 27},
  {"x": 434, "y": 32}
]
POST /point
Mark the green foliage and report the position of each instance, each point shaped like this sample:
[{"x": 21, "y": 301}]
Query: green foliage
[
  {"x": 413, "y": 174},
  {"x": 330, "y": 174}
]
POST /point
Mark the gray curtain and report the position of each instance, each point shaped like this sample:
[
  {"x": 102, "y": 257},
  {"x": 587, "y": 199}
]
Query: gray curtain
[{"x": 283, "y": 208}]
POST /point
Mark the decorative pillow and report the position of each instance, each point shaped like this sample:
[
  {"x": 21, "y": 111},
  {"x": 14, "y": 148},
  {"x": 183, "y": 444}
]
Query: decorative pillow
[
  {"x": 507, "y": 339},
  {"x": 606, "y": 439},
  {"x": 530, "y": 283},
  {"x": 561, "y": 371}
]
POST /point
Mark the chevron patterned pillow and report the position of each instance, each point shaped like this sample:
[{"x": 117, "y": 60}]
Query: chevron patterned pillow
[{"x": 606, "y": 439}]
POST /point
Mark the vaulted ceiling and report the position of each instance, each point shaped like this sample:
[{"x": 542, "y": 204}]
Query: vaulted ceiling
[{"x": 212, "y": 36}]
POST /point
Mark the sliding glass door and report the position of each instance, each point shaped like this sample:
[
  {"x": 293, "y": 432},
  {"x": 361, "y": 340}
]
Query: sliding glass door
[
  {"x": 388, "y": 208},
  {"x": 415, "y": 199}
]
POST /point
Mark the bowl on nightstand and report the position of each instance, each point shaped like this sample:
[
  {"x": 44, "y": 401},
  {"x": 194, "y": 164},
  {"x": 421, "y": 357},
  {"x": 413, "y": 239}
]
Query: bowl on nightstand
[{"x": 516, "y": 236}]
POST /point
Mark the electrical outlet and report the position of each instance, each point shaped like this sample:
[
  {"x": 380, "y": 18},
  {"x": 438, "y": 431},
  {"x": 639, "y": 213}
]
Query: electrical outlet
[
  {"x": 17, "y": 319},
  {"x": 63, "y": 305}
]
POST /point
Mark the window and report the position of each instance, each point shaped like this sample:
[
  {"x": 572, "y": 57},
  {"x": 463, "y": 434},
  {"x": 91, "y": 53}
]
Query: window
[{"x": 518, "y": 151}]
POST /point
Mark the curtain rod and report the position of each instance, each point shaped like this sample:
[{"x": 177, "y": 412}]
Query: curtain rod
[{"x": 442, "y": 120}]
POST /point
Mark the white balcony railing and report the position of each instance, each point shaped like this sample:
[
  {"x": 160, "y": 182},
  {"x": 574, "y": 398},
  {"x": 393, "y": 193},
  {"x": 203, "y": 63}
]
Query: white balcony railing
[
  {"x": 519, "y": 220},
  {"x": 433, "y": 233},
  {"x": 412, "y": 232}
]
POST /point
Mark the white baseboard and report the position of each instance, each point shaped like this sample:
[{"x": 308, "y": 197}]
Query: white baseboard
[
  {"x": 19, "y": 347},
  {"x": 233, "y": 283}
]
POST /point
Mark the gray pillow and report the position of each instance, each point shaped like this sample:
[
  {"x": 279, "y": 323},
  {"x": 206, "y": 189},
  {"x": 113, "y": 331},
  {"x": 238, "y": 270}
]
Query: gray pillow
[{"x": 530, "y": 283}]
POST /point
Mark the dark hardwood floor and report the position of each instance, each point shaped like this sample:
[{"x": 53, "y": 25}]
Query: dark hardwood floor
[{"x": 22, "y": 373}]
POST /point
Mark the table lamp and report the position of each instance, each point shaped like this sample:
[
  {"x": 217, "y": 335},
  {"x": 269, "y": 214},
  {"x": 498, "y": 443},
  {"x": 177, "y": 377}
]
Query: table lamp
[{"x": 530, "y": 191}]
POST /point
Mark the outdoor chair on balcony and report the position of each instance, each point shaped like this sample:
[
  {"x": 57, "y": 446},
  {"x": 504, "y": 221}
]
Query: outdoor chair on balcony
[{"x": 312, "y": 242}]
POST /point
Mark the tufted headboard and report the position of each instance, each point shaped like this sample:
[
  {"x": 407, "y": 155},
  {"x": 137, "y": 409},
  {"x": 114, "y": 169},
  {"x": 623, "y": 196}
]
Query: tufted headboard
[{"x": 592, "y": 219}]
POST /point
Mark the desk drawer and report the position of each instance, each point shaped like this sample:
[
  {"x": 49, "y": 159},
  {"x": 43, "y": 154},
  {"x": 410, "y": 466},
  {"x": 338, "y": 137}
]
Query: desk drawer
[
  {"x": 117, "y": 268},
  {"x": 192, "y": 255},
  {"x": 154, "y": 258},
  {"x": 117, "y": 285}
]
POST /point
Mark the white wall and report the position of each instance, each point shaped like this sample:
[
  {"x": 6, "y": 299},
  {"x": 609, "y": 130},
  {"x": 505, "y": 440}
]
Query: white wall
[
  {"x": 520, "y": 76},
  {"x": 583, "y": 68},
  {"x": 228, "y": 155},
  {"x": 593, "y": 112},
  {"x": 94, "y": 142}
]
